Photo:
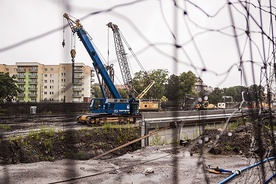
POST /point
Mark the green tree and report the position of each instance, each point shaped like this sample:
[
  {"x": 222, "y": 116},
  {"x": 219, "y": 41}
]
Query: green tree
[
  {"x": 231, "y": 91},
  {"x": 97, "y": 91},
  {"x": 123, "y": 93},
  {"x": 172, "y": 88},
  {"x": 160, "y": 76},
  {"x": 142, "y": 79},
  {"x": 187, "y": 82},
  {"x": 216, "y": 95},
  {"x": 8, "y": 87}
]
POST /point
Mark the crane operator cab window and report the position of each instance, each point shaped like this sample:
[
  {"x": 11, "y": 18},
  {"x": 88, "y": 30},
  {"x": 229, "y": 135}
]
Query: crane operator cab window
[{"x": 96, "y": 104}]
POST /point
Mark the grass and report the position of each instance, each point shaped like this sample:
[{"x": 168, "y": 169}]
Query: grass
[
  {"x": 48, "y": 144},
  {"x": 235, "y": 125},
  {"x": 5, "y": 127}
]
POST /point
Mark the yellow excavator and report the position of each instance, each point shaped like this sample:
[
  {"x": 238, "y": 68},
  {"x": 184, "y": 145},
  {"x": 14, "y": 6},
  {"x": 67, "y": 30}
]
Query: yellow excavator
[
  {"x": 205, "y": 104},
  {"x": 148, "y": 104}
]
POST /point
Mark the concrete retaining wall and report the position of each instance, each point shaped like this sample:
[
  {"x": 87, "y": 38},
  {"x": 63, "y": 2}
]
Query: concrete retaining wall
[{"x": 180, "y": 132}]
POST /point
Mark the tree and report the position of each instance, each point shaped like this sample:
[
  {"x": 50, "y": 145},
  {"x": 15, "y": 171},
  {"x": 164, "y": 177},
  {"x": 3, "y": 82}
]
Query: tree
[
  {"x": 186, "y": 84},
  {"x": 123, "y": 93},
  {"x": 172, "y": 88},
  {"x": 142, "y": 79},
  {"x": 8, "y": 87},
  {"x": 216, "y": 95},
  {"x": 97, "y": 91},
  {"x": 160, "y": 76}
]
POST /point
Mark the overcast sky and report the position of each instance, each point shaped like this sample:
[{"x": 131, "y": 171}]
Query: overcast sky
[{"x": 32, "y": 31}]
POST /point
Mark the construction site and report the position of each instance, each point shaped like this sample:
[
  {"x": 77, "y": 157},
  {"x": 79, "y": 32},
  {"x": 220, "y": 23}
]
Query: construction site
[{"x": 203, "y": 110}]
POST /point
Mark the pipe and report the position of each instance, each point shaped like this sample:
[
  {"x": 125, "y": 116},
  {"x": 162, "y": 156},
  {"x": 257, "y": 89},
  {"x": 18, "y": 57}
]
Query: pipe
[
  {"x": 131, "y": 142},
  {"x": 244, "y": 169}
]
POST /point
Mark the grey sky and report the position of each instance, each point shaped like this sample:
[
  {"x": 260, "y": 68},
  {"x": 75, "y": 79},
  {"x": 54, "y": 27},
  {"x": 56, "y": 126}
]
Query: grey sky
[{"x": 205, "y": 34}]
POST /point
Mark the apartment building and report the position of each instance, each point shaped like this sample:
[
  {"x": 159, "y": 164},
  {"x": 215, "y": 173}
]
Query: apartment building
[{"x": 52, "y": 82}]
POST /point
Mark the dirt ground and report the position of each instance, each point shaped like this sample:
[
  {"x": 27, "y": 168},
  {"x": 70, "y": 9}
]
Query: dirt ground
[
  {"x": 151, "y": 165},
  {"x": 59, "y": 157}
]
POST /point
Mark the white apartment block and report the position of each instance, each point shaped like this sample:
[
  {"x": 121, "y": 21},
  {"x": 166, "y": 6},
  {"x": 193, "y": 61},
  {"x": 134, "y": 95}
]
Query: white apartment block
[{"x": 42, "y": 83}]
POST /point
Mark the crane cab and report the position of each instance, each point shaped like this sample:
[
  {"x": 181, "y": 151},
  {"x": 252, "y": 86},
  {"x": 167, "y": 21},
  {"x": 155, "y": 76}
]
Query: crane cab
[{"x": 110, "y": 106}]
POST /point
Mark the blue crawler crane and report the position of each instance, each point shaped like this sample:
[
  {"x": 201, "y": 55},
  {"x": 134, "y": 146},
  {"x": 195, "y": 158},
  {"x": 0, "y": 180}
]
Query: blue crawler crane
[{"x": 102, "y": 107}]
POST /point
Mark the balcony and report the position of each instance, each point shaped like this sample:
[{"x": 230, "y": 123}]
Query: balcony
[
  {"x": 21, "y": 70},
  {"x": 33, "y": 70},
  {"x": 78, "y": 70},
  {"x": 77, "y": 95},
  {"x": 78, "y": 83},
  {"x": 32, "y": 89},
  {"x": 20, "y": 76},
  {"x": 78, "y": 77},
  {"x": 32, "y": 82},
  {"x": 21, "y": 95},
  {"x": 20, "y": 82},
  {"x": 77, "y": 89},
  {"x": 32, "y": 95},
  {"x": 33, "y": 76}
]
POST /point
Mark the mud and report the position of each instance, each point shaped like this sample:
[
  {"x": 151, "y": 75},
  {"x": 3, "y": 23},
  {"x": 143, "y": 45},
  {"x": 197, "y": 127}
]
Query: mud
[{"x": 158, "y": 164}]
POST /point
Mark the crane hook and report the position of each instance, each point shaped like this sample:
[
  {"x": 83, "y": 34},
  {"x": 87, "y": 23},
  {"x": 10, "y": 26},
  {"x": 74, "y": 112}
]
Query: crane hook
[
  {"x": 73, "y": 53},
  {"x": 63, "y": 43}
]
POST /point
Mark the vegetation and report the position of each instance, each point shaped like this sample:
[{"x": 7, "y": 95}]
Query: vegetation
[
  {"x": 50, "y": 144},
  {"x": 142, "y": 79},
  {"x": 8, "y": 87},
  {"x": 179, "y": 88}
]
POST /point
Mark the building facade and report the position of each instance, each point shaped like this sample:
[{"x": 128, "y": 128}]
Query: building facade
[{"x": 58, "y": 83}]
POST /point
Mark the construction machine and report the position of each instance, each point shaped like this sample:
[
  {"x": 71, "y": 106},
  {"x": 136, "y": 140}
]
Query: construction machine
[
  {"x": 144, "y": 104},
  {"x": 148, "y": 104},
  {"x": 102, "y": 108},
  {"x": 204, "y": 104}
]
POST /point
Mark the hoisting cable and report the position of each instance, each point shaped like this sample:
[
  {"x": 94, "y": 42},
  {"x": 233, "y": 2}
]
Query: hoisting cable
[
  {"x": 133, "y": 54},
  {"x": 73, "y": 55},
  {"x": 63, "y": 34}
]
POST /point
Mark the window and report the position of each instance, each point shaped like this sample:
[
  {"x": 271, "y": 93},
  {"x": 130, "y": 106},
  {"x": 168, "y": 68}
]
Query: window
[
  {"x": 45, "y": 93},
  {"x": 45, "y": 87},
  {"x": 45, "y": 81},
  {"x": 51, "y": 69},
  {"x": 45, "y": 75},
  {"x": 45, "y": 69}
]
